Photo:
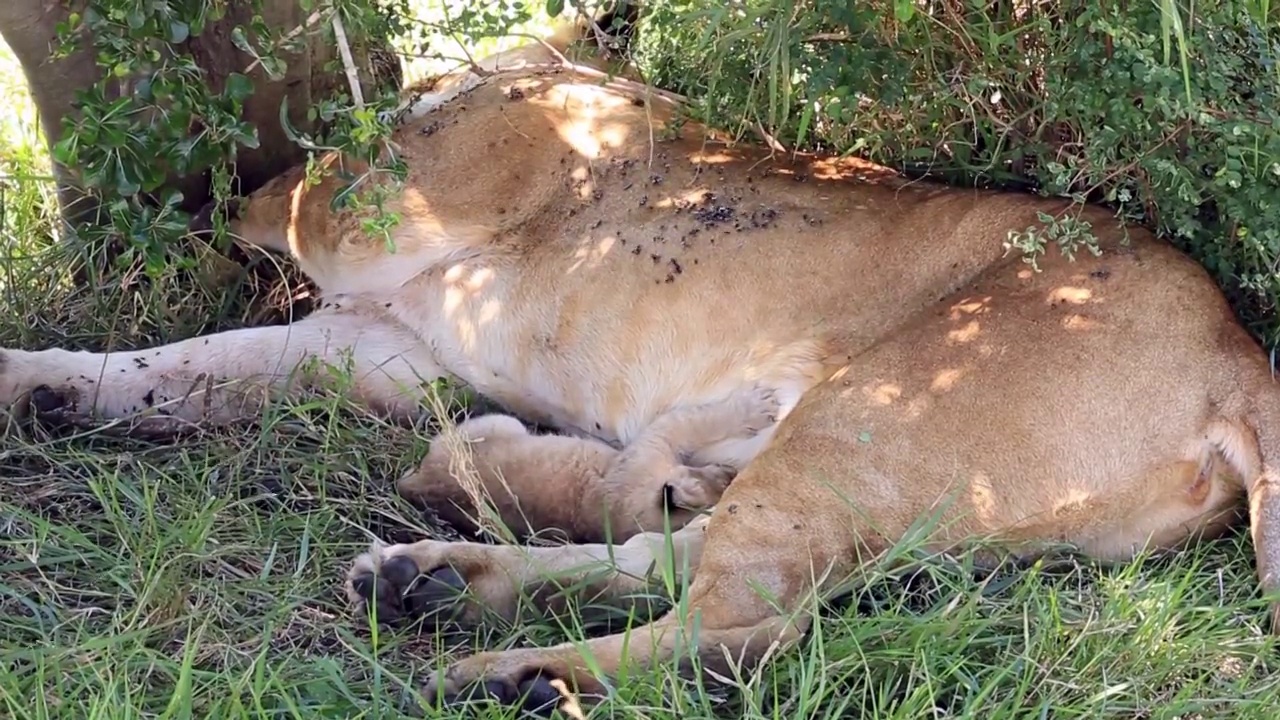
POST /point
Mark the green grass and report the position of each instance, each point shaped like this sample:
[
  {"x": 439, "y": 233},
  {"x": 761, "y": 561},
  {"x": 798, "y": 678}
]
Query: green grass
[{"x": 199, "y": 577}]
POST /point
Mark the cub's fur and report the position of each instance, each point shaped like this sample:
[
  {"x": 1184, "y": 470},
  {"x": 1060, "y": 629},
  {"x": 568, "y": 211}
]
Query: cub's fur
[{"x": 492, "y": 463}]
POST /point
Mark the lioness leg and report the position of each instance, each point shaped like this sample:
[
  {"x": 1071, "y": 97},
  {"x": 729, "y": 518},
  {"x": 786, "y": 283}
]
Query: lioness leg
[
  {"x": 764, "y": 557},
  {"x": 580, "y": 486},
  {"x": 224, "y": 377}
]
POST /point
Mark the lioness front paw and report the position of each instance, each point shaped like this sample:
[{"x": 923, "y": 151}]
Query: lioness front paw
[
  {"x": 537, "y": 680},
  {"x": 18, "y": 392},
  {"x": 404, "y": 583}
]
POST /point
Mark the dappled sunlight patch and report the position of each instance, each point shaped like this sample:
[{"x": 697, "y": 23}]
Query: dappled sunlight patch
[
  {"x": 1078, "y": 322},
  {"x": 719, "y": 157},
  {"x": 970, "y": 306},
  {"x": 851, "y": 168},
  {"x": 1070, "y": 294},
  {"x": 946, "y": 379},
  {"x": 591, "y": 254},
  {"x": 587, "y": 106},
  {"x": 883, "y": 393},
  {"x": 965, "y": 333},
  {"x": 465, "y": 284},
  {"x": 688, "y": 198}
]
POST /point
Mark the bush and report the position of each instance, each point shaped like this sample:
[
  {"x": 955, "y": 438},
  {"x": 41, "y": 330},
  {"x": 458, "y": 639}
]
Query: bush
[{"x": 1169, "y": 116}]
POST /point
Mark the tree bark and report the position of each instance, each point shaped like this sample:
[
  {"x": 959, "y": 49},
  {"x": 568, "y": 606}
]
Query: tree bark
[{"x": 29, "y": 28}]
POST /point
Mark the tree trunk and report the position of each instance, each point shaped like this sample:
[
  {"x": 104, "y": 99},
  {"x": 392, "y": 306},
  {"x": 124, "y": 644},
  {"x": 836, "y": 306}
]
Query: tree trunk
[{"x": 29, "y": 28}]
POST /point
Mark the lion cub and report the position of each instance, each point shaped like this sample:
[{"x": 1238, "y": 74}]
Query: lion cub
[{"x": 534, "y": 482}]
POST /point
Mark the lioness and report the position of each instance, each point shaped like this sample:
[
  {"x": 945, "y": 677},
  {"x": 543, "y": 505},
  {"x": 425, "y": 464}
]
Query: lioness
[
  {"x": 581, "y": 486},
  {"x": 568, "y": 252}
]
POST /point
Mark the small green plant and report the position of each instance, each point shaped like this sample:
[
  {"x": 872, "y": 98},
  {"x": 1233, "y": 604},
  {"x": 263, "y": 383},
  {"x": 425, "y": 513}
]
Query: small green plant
[
  {"x": 126, "y": 147},
  {"x": 1068, "y": 232}
]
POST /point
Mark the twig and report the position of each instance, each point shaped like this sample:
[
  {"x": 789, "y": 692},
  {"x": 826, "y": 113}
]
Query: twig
[
  {"x": 601, "y": 38},
  {"x": 1169, "y": 137},
  {"x": 447, "y": 27},
  {"x": 567, "y": 64},
  {"x": 353, "y": 77},
  {"x": 512, "y": 125},
  {"x": 771, "y": 141},
  {"x": 312, "y": 20}
]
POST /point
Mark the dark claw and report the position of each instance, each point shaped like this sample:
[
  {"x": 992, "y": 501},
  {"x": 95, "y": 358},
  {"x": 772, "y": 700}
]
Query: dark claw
[
  {"x": 383, "y": 591},
  {"x": 363, "y": 585},
  {"x": 435, "y": 592},
  {"x": 46, "y": 400},
  {"x": 499, "y": 691}
]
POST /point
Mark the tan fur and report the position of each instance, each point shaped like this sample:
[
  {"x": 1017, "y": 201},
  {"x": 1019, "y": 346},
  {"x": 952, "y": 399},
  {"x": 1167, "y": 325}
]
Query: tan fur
[
  {"x": 533, "y": 482},
  {"x": 566, "y": 253}
]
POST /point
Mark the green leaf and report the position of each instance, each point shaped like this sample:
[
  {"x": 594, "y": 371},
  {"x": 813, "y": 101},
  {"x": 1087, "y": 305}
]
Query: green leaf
[
  {"x": 864, "y": 436},
  {"x": 246, "y": 135},
  {"x": 806, "y": 117},
  {"x": 124, "y": 184},
  {"x": 555, "y": 7},
  {"x": 65, "y": 149},
  {"x": 290, "y": 131},
  {"x": 178, "y": 32},
  {"x": 240, "y": 40},
  {"x": 238, "y": 87},
  {"x": 274, "y": 67}
]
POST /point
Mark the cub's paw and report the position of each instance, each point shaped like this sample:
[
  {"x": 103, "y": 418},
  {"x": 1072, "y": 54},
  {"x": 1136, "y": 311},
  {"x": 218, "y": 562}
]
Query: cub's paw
[
  {"x": 759, "y": 409},
  {"x": 697, "y": 488}
]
